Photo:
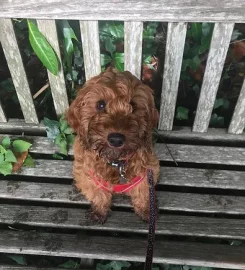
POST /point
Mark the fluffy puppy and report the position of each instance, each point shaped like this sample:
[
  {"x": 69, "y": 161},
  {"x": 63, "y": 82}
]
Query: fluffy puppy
[{"x": 113, "y": 116}]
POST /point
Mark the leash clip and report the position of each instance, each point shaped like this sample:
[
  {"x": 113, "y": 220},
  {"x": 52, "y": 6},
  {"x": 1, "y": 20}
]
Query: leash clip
[{"x": 121, "y": 169}]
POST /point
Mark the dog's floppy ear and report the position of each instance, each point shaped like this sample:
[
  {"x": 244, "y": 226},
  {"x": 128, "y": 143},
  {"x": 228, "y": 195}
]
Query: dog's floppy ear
[{"x": 73, "y": 114}]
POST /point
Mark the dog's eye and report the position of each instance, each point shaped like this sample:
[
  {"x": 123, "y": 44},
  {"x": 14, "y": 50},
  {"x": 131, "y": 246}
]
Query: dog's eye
[
  {"x": 132, "y": 104},
  {"x": 100, "y": 105}
]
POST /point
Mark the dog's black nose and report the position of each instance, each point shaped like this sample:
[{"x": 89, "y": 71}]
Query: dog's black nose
[{"x": 116, "y": 139}]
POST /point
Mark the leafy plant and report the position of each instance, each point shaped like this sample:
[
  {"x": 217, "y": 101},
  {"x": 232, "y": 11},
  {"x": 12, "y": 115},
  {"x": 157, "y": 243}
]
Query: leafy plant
[
  {"x": 42, "y": 48},
  {"x": 113, "y": 265},
  {"x": 60, "y": 133},
  {"x": 13, "y": 155}
]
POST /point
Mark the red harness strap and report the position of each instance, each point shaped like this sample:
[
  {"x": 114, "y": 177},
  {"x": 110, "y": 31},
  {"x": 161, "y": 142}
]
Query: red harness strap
[{"x": 120, "y": 188}]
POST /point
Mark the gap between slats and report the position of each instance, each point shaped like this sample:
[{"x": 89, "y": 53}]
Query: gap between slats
[
  {"x": 172, "y": 67},
  {"x": 216, "y": 58},
  {"x": 17, "y": 70},
  {"x": 57, "y": 82},
  {"x": 133, "y": 34},
  {"x": 91, "y": 48}
]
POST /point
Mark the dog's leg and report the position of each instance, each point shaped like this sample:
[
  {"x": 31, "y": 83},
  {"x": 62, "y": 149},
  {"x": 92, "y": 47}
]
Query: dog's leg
[{"x": 100, "y": 199}]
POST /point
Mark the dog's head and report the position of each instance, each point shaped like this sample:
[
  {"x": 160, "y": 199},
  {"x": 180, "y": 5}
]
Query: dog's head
[{"x": 114, "y": 114}]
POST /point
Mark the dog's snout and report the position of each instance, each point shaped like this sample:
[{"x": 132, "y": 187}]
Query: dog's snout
[{"x": 116, "y": 139}]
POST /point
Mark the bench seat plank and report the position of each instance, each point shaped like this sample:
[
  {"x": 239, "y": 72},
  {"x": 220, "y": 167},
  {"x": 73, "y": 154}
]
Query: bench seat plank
[
  {"x": 174, "y": 201},
  {"x": 74, "y": 218},
  {"x": 173, "y": 176},
  {"x": 181, "y": 152},
  {"x": 120, "y": 248}
]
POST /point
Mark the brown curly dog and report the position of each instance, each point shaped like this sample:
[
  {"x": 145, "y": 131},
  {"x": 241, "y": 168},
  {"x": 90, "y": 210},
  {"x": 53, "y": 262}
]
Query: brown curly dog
[{"x": 113, "y": 116}]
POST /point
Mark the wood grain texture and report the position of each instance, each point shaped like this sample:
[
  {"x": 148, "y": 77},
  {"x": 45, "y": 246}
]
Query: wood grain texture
[
  {"x": 18, "y": 74},
  {"x": 14, "y": 267},
  {"x": 74, "y": 218},
  {"x": 174, "y": 201},
  {"x": 216, "y": 58},
  {"x": 131, "y": 10},
  {"x": 3, "y": 118},
  {"x": 57, "y": 82},
  {"x": 213, "y": 135},
  {"x": 237, "y": 123},
  {"x": 91, "y": 48},
  {"x": 171, "y": 176},
  {"x": 133, "y": 34},
  {"x": 181, "y": 152},
  {"x": 172, "y": 67},
  {"x": 119, "y": 248},
  {"x": 19, "y": 126}
]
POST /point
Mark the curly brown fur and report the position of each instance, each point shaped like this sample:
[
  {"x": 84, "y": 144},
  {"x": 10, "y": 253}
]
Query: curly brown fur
[{"x": 130, "y": 111}]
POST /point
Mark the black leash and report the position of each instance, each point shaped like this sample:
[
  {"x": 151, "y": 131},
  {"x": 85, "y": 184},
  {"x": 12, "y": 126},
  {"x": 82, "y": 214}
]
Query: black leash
[{"x": 152, "y": 222}]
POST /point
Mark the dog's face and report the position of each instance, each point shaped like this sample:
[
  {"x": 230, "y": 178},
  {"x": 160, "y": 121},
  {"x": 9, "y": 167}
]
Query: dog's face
[{"x": 114, "y": 114}]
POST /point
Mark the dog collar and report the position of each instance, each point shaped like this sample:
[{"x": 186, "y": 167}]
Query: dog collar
[{"x": 120, "y": 188}]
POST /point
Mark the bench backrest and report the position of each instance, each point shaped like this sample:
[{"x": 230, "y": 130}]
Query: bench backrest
[{"x": 133, "y": 12}]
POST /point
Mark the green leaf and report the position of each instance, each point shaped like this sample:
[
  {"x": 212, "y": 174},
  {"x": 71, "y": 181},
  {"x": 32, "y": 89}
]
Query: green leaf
[
  {"x": 116, "y": 29},
  {"x": 235, "y": 34},
  {"x": 196, "y": 31},
  {"x": 105, "y": 59},
  {"x": 182, "y": 113},
  {"x": 207, "y": 28},
  {"x": 63, "y": 125},
  {"x": 71, "y": 264},
  {"x": 43, "y": 49},
  {"x": 195, "y": 63},
  {"x": 10, "y": 157},
  {"x": 29, "y": 162},
  {"x": 71, "y": 139},
  {"x": 63, "y": 147},
  {"x": 110, "y": 46},
  {"x": 68, "y": 130},
  {"x": 217, "y": 121},
  {"x": 147, "y": 59},
  {"x": 19, "y": 259},
  {"x": 2, "y": 149},
  {"x": 6, "y": 168},
  {"x": 1, "y": 157},
  {"x": 6, "y": 142},
  {"x": 119, "y": 61},
  {"x": 57, "y": 156},
  {"x": 59, "y": 138},
  {"x": 219, "y": 102},
  {"x": 21, "y": 146},
  {"x": 52, "y": 128},
  {"x": 185, "y": 64}
]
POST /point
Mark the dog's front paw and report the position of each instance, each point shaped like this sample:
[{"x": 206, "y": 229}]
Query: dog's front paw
[{"x": 95, "y": 217}]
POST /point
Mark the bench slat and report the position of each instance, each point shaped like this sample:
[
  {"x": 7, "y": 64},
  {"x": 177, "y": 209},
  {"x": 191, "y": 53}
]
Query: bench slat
[
  {"x": 57, "y": 82},
  {"x": 74, "y": 218},
  {"x": 187, "y": 177},
  {"x": 17, "y": 70},
  {"x": 181, "y": 152},
  {"x": 119, "y": 248},
  {"x": 172, "y": 67},
  {"x": 216, "y": 58},
  {"x": 237, "y": 123},
  {"x": 3, "y": 118},
  {"x": 174, "y": 201},
  {"x": 133, "y": 34},
  {"x": 14, "y": 267},
  {"x": 91, "y": 48},
  {"x": 121, "y": 10}
]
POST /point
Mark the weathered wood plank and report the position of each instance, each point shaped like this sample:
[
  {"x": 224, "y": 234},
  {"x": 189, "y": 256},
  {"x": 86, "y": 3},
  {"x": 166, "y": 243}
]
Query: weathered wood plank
[
  {"x": 74, "y": 218},
  {"x": 180, "y": 152},
  {"x": 131, "y": 10},
  {"x": 213, "y": 135},
  {"x": 187, "y": 177},
  {"x": 14, "y": 267},
  {"x": 3, "y": 118},
  {"x": 237, "y": 123},
  {"x": 91, "y": 48},
  {"x": 57, "y": 82},
  {"x": 119, "y": 248},
  {"x": 216, "y": 58},
  {"x": 14, "y": 60},
  {"x": 133, "y": 34},
  {"x": 19, "y": 126},
  {"x": 174, "y": 201},
  {"x": 172, "y": 67}
]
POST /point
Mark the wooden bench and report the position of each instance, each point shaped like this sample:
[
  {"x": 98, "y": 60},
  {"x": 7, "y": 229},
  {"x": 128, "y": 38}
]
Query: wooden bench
[{"x": 202, "y": 201}]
